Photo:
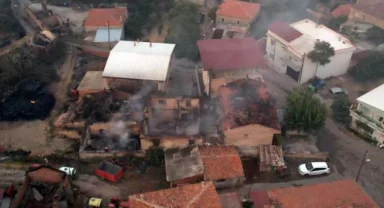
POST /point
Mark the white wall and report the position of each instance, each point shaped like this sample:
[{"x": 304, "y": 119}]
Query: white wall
[{"x": 277, "y": 54}]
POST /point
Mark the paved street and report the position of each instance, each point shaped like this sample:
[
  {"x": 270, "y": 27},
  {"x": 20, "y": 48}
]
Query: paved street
[{"x": 345, "y": 149}]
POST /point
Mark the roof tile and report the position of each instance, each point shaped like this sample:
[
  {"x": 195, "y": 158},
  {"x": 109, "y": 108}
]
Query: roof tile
[
  {"x": 342, "y": 10},
  {"x": 284, "y": 31},
  {"x": 343, "y": 194},
  {"x": 189, "y": 196},
  {"x": 221, "y": 162},
  {"x": 101, "y": 17},
  {"x": 230, "y": 54},
  {"x": 239, "y": 9}
]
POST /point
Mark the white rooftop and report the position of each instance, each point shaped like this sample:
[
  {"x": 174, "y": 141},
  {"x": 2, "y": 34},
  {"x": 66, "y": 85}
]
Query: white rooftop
[
  {"x": 374, "y": 98},
  {"x": 139, "y": 60},
  {"x": 312, "y": 32}
]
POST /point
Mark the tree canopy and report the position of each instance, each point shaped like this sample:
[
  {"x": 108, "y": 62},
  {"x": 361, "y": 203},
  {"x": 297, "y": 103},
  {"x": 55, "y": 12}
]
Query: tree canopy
[
  {"x": 370, "y": 68},
  {"x": 322, "y": 53},
  {"x": 335, "y": 22},
  {"x": 340, "y": 109},
  {"x": 304, "y": 112},
  {"x": 184, "y": 30}
]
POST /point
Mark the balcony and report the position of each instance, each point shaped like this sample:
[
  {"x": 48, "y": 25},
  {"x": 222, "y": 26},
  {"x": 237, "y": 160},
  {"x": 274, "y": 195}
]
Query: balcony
[{"x": 367, "y": 120}]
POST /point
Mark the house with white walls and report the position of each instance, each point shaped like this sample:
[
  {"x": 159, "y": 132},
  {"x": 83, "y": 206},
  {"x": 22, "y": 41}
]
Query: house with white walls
[
  {"x": 368, "y": 117},
  {"x": 288, "y": 46}
]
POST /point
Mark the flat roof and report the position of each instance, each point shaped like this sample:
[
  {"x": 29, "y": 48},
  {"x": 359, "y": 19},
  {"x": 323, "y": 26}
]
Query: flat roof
[
  {"x": 374, "y": 98},
  {"x": 139, "y": 60},
  {"x": 104, "y": 35},
  {"x": 93, "y": 80},
  {"x": 312, "y": 32}
]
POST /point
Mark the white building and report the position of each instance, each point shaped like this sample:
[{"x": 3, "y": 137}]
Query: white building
[
  {"x": 288, "y": 46},
  {"x": 132, "y": 65},
  {"x": 368, "y": 117}
]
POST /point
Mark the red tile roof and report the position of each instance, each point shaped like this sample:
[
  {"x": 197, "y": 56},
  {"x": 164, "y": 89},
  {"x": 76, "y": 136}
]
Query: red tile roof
[
  {"x": 337, "y": 194},
  {"x": 230, "y": 54},
  {"x": 260, "y": 199},
  {"x": 284, "y": 31},
  {"x": 100, "y": 17},
  {"x": 239, "y": 9},
  {"x": 189, "y": 196},
  {"x": 221, "y": 162},
  {"x": 342, "y": 10},
  {"x": 247, "y": 101},
  {"x": 372, "y": 7}
]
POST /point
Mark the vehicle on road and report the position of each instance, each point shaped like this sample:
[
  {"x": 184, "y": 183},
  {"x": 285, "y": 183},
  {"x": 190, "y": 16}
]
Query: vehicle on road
[
  {"x": 314, "y": 168},
  {"x": 316, "y": 85},
  {"x": 338, "y": 91}
]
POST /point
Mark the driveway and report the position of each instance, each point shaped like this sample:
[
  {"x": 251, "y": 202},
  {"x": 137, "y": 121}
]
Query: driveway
[{"x": 345, "y": 149}]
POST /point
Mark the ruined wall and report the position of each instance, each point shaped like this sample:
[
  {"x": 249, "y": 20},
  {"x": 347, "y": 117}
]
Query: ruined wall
[
  {"x": 190, "y": 180},
  {"x": 229, "y": 183},
  {"x": 173, "y": 103},
  {"x": 250, "y": 135},
  {"x": 124, "y": 84}
]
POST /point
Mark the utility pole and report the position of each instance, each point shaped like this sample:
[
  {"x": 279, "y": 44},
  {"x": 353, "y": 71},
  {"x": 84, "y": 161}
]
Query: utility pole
[
  {"x": 109, "y": 38},
  {"x": 362, "y": 164}
]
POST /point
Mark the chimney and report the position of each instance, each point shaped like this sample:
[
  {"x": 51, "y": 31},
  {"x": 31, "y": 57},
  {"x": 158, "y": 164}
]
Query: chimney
[{"x": 150, "y": 44}]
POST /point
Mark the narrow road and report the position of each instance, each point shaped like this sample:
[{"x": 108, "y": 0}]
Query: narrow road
[{"x": 345, "y": 149}]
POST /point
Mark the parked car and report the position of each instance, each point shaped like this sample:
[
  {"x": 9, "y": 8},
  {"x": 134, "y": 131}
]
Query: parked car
[
  {"x": 70, "y": 171},
  {"x": 338, "y": 91},
  {"x": 314, "y": 168}
]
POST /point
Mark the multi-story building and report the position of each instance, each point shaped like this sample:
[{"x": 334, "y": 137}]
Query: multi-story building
[
  {"x": 368, "y": 117},
  {"x": 288, "y": 46}
]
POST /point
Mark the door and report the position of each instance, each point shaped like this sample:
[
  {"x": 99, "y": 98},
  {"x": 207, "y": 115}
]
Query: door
[
  {"x": 317, "y": 171},
  {"x": 292, "y": 73}
]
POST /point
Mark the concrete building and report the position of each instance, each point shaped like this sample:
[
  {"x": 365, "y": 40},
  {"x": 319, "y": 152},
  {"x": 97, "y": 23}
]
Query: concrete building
[
  {"x": 236, "y": 17},
  {"x": 172, "y": 121},
  {"x": 288, "y": 46},
  {"x": 368, "y": 117},
  {"x": 132, "y": 65},
  {"x": 247, "y": 113},
  {"x": 368, "y": 11},
  {"x": 219, "y": 164},
  {"x": 226, "y": 60}
]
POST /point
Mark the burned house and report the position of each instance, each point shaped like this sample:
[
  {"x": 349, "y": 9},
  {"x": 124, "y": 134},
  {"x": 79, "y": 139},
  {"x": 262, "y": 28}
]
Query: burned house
[
  {"x": 110, "y": 139},
  {"x": 219, "y": 164},
  {"x": 173, "y": 121},
  {"x": 247, "y": 113},
  {"x": 44, "y": 40},
  {"x": 131, "y": 65},
  {"x": 226, "y": 60},
  {"x": 44, "y": 186}
]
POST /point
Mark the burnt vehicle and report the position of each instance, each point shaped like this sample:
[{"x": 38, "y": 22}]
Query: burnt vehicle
[{"x": 29, "y": 101}]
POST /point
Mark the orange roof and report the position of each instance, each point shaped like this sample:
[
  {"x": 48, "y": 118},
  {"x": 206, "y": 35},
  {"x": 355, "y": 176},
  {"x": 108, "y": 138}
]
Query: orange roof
[
  {"x": 189, "y": 196},
  {"x": 221, "y": 162},
  {"x": 239, "y": 9},
  {"x": 336, "y": 194},
  {"x": 101, "y": 17},
  {"x": 342, "y": 10}
]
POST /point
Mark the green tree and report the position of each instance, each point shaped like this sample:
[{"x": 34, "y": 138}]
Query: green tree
[
  {"x": 376, "y": 35},
  {"x": 304, "y": 112},
  {"x": 340, "y": 109},
  {"x": 184, "y": 31},
  {"x": 321, "y": 54},
  {"x": 370, "y": 68}
]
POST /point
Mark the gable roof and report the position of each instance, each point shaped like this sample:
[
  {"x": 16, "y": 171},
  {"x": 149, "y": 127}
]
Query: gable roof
[
  {"x": 342, "y": 10},
  {"x": 343, "y": 194},
  {"x": 226, "y": 54},
  {"x": 189, "y": 196},
  {"x": 221, "y": 162},
  {"x": 101, "y": 17},
  {"x": 247, "y": 101},
  {"x": 374, "y": 98},
  {"x": 139, "y": 60},
  {"x": 284, "y": 31},
  {"x": 372, "y": 7},
  {"x": 239, "y": 9}
]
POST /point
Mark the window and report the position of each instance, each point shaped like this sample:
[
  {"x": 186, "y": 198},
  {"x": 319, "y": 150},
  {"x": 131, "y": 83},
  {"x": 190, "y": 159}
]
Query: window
[
  {"x": 273, "y": 42},
  {"x": 309, "y": 166},
  {"x": 222, "y": 19},
  {"x": 381, "y": 118},
  {"x": 162, "y": 102},
  {"x": 188, "y": 103},
  {"x": 238, "y": 22},
  {"x": 191, "y": 142},
  {"x": 272, "y": 56}
]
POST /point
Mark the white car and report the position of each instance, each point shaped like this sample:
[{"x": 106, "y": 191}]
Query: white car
[
  {"x": 70, "y": 171},
  {"x": 314, "y": 168}
]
